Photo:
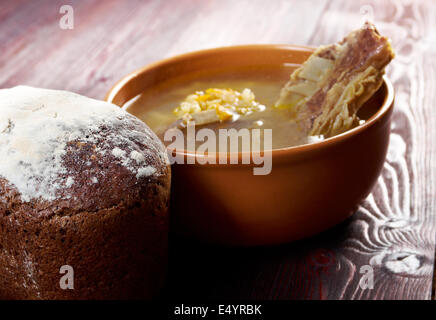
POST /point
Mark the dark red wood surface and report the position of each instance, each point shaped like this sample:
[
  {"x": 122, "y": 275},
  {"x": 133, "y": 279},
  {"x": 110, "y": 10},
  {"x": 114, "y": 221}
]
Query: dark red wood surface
[{"x": 393, "y": 231}]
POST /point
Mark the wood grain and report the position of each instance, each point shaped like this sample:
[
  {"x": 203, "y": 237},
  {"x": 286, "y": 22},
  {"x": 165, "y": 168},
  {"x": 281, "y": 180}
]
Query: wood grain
[{"x": 393, "y": 231}]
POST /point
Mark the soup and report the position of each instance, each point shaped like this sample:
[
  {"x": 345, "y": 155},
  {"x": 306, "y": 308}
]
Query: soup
[
  {"x": 156, "y": 104},
  {"x": 322, "y": 98}
]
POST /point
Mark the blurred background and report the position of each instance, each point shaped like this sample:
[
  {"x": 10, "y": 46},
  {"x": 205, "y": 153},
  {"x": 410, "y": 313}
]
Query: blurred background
[{"x": 111, "y": 38}]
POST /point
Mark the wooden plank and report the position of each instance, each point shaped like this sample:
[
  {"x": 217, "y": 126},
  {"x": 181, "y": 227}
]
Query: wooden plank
[
  {"x": 112, "y": 38},
  {"x": 393, "y": 231}
]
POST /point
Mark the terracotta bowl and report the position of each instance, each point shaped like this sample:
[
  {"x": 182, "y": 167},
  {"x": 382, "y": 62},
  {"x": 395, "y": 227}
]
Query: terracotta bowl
[{"x": 311, "y": 187}]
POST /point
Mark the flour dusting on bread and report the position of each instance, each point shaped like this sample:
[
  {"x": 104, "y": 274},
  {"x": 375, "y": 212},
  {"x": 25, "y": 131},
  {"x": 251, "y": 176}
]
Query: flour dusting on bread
[{"x": 38, "y": 125}]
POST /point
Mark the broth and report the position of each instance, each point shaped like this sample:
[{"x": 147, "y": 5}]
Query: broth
[{"x": 156, "y": 104}]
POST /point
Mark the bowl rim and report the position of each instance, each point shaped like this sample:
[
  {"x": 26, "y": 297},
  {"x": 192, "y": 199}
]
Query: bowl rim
[{"x": 306, "y": 149}]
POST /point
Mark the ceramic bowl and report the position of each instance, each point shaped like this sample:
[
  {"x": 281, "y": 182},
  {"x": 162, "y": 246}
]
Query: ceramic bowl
[{"x": 310, "y": 188}]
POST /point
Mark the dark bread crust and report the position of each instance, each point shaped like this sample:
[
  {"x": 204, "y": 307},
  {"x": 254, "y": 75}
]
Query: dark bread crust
[{"x": 112, "y": 232}]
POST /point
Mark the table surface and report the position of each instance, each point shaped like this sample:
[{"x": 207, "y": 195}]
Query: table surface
[{"x": 393, "y": 230}]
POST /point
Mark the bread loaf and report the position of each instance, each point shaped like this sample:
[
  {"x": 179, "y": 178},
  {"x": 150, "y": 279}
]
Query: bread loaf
[{"x": 83, "y": 184}]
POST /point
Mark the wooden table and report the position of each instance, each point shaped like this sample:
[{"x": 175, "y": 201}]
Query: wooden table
[{"x": 393, "y": 231}]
